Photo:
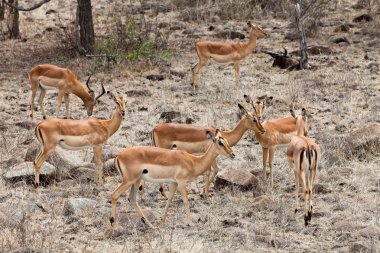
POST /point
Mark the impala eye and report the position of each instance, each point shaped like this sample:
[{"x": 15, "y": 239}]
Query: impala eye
[{"x": 221, "y": 143}]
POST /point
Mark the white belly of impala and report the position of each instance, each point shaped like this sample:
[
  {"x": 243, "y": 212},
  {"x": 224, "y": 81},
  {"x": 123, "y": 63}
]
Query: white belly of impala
[
  {"x": 76, "y": 142},
  {"x": 160, "y": 171}
]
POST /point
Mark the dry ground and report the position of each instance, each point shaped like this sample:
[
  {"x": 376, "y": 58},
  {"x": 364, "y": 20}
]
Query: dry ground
[{"x": 341, "y": 93}]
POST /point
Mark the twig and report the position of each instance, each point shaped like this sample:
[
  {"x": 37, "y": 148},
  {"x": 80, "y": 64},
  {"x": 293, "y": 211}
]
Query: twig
[{"x": 27, "y": 9}]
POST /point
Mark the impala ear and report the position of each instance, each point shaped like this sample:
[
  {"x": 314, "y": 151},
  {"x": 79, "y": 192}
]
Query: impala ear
[
  {"x": 209, "y": 136},
  {"x": 242, "y": 109},
  {"x": 249, "y": 23},
  {"x": 303, "y": 113},
  {"x": 247, "y": 98},
  {"x": 292, "y": 113}
]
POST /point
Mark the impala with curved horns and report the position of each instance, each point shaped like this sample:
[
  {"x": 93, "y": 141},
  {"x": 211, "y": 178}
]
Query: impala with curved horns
[
  {"x": 47, "y": 76},
  {"x": 277, "y": 132},
  {"x": 303, "y": 155},
  {"x": 78, "y": 134},
  {"x": 159, "y": 165},
  {"x": 193, "y": 139},
  {"x": 224, "y": 52}
]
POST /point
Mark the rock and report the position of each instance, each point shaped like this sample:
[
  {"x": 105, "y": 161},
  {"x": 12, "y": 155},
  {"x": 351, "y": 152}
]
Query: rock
[
  {"x": 363, "y": 17},
  {"x": 320, "y": 189},
  {"x": 78, "y": 205},
  {"x": 139, "y": 93},
  {"x": 234, "y": 178},
  {"x": 13, "y": 161},
  {"x": 132, "y": 219},
  {"x": 358, "y": 247},
  {"x": 154, "y": 77},
  {"x": 370, "y": 231},
  {"x": 15, "y": 211},
  {"x": 26, "y": 124},
  {"x": 339, "y": 40},
  {"x": 83, "y": 174},
  {"x": 169, "y": 116},
  {"x": 59, "y": 158},
  {"x": 364, "y": 143},
  {"x": 25, "y": 170}
]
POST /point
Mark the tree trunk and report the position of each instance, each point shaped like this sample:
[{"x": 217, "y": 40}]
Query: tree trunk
[
  {"x": 303, "y": 47},
  {"x": 86, "y": 34},
  {"x": 2, "y": 9},
  {"x": 12, "y": 22}
]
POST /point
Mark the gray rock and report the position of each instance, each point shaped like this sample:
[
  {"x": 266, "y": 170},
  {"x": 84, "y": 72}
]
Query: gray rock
[
  {"x": 78, "y": 205},
  {"x": 358, "y": 247},
  {"x": 364, "y": 143},
  {"x": 59, "y": 158},
  {"x": 234, "y": 178},
  {"x": 25, "y": 170}
]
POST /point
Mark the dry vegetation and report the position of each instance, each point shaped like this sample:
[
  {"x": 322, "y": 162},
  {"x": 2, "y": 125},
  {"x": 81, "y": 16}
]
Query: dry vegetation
[{"x": 341, "y": 92}]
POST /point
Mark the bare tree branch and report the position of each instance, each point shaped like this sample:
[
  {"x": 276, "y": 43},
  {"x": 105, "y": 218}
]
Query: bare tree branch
[{"x": 27, "y": 9}]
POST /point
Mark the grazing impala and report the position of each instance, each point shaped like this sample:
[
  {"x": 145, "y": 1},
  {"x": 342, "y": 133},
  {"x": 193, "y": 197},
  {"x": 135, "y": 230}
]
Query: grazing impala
[
  {"x": 161, "y": 165},
  {"x": 303, "y": 155},
  {"x": 224, "y": 52},
  {"x": 47, "y": 76},
  {"x": 193, "y": 139},
  {"x": 77, "y": 134},
  {"x": 277, "y": 132}
]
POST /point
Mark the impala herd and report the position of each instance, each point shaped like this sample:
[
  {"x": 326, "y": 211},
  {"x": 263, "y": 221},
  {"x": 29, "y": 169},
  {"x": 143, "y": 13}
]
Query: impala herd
[{"x": 180, "y": 152}]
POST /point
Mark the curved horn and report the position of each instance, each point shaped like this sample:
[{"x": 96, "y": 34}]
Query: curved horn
[
  {"x": 103, "y": 92},
  {"x": 88, "y": 82}
]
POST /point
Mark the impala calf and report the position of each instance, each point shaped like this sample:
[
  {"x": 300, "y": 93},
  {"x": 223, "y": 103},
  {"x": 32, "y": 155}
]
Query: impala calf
[
  {"x": 46, "y": 76},
  {"x": 160, "y": 165},
  {"x": 193, "y": 139},
  {"x": 303, "y": 155},
  {"x": 224, "y": 52},
  {"x": 77, "y": 134}
]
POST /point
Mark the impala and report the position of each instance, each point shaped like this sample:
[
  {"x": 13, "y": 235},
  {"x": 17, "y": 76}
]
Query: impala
[
  {"x": 193, "y": 139},
  {"x": 160, "y": 165},
  {"x": 257, "y": 106},
  {"x": 277, "y": 132},
  {"x": 47, "y": 76},
  {"x": 303, "y": 155},
  {"x": 77, "y": 134},
  {"x": 224, "y": 52}
]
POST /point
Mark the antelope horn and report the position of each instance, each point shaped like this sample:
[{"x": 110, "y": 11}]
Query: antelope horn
[
  {"x": 88, "y": 82},
  {"x": 103, "y": 92}
]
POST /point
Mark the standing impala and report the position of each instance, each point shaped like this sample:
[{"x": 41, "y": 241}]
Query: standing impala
[
  {"x": 224, "y": 52},
  {"x": 303, "y": 155},
  {"x": 77, "y": 134},
  {"x": 193, "y": 139},
  {"x": 161, "y": 165},
  {"x": 47, "y": 76},
  {"x": 277, "y": 132}
]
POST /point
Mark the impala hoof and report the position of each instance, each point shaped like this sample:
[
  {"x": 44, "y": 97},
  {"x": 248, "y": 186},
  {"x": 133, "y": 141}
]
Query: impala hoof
[
  {"x": 112, "y": 220},
  {"x": 44, "y": 117}
]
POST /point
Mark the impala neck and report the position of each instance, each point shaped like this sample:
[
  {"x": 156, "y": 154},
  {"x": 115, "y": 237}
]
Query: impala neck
[
  {"x": 300, "y": 126},
  {"x": 115, "y": 122},
  {"x": 251, "y": 45},
  {"x": 83, "y": 94},
  {"x": 203, "y": 162},
  {"x": 235, "y": 134}
]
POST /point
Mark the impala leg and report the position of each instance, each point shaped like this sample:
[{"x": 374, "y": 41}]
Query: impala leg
[
  {"x": 59, "y": 102},
  {"x": 32, "y": 102},
  {"x": 237, "y": 70},
  {"x": 297, "y": 186},
  {"x": 265, "y": 156},
  {"x": 67, "y": 104},
  {"x": 183, "y": 191},
  {"x": 207, "y": 182},
  {"x": 41, "y": 101},
  {"x": 163, "y": 193},
  {"x": 132, "y": 198},
  {"x": 172, "y": 191},
  {"x": 40, "y": 159},
  {"x": 196, "y": 69},
  {"x": 305, "y": 195},
  {"x": 214, "y": 165},
  {"x": 271, "y": 157},
  {"x": 115, "y": 196},
  {"x": 98, "y": 165}
]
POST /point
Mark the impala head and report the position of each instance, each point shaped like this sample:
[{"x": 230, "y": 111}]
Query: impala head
[
  {"x": 258, "y": 107},
  {"x": 257, "y": 30},
  {"x": 253, "y": 123},
  {"x": 92, "y": 101},
  {"x": 120, "y": 101},
  {"x": 302, "y": 124},
  {"x": 221, "y": 144}
]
